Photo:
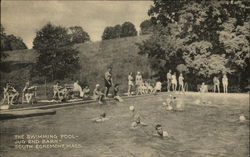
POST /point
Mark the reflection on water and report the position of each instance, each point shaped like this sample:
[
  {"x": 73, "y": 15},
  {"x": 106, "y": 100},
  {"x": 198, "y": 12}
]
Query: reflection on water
[{"x": 210, "y": 129}]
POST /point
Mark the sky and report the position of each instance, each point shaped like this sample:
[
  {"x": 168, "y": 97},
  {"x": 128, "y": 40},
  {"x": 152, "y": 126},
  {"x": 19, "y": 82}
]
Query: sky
[{"x": 24, "y": 18}]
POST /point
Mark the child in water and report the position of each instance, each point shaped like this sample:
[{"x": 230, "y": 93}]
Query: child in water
[
  {"x": 169, "y": 103},
  {"x": 101, "y": 118},
  {"x": 137, "y": 122}
]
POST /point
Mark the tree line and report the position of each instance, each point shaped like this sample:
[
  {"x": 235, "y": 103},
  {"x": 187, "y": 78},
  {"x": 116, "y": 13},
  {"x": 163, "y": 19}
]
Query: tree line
[
  {"x": 201, "y": 39},
  {"x": 58, "y": 58}
]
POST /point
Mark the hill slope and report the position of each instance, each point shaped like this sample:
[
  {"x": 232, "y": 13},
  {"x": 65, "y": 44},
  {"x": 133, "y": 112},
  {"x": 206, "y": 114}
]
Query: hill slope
[{"x": 95, "y": 57}]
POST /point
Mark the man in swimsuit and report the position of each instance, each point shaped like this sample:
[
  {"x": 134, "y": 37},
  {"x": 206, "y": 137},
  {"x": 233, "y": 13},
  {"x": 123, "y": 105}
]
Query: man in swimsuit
[
  {"x": 160, "y": 132},
  {"x": 108, "y": 81}
]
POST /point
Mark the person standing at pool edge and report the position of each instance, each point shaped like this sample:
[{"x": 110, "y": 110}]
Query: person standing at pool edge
[
  {"x": 108, "y": 81},
  {"x": 225, "y": 83},
  {"x": 174, "y": 82},
  {"x": 130, "y": 83},
  {"x": 169, "y": 77},
  {"x": 181, "y": 83},
  {"x": 216, "y": 82},
  {"x": 138, "y": 81}
]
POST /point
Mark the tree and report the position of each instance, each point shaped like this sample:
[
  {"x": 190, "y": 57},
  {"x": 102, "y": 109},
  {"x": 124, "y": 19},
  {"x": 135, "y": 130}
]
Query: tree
[
  {"x": 117, "y": 31},
  {"x": 146, "y": 27},
  {"x": 108, "y": 33},
  {"x": 57, "y": 58},
  {"x": 15, "y": 43},
  {"x": 78, "y": 35},
  {"x": 11, "y": 42},
  {"x": 208, "y": 37},
  {"x": 128, "y": 29}
]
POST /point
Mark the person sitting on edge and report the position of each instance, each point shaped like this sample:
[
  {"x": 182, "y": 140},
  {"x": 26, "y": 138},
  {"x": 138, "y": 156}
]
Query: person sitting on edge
[
  {"x": 56, "y": 89},
  {"x": 86, "y": 91},
  {"x": 5, "y": 93},
  {"x": 108, "y": 81},
  {"x": 137, "y": 122},
  {"x": 29, "y": 92},
  {"x": 77, "y": 89},
  {"x": 101, "y": 118},
  {"x": 10, "y": 93},
  {"x": 216, "y": 82},
  {"x": 203, "y": 87},
  {"x": 157, "y": 88},
  {"x": 13, "y": 95},
  {"x": 97, "y": 94},
  {"x": 150, "y": 89},
  {"x": 116, "y": 96},
  {"x": 159, "y": 132},
  {"x": 225, "y": 83}
]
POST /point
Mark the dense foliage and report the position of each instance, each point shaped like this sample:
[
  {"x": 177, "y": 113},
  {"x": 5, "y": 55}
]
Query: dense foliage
[
  {"x": 78, "y": 35},
  {"x": 57, "y": 58},
  {"x": 11, "y": 42},
  {"x": 146, "y": 27},
  {"x": 127, "y": 29},
  {"x": 205, "y": 38}
]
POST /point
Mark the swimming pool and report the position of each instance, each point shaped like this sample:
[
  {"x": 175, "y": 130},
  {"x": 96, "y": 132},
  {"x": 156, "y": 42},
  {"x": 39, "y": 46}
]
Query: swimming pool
[{"x": 211, "y": 129}]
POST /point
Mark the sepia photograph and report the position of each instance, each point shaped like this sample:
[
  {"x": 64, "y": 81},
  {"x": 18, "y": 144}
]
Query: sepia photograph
[{"x": 125, "y": 78}]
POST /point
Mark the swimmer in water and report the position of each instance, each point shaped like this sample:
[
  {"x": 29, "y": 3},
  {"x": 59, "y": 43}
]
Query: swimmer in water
[
  {"x": 101, "y": 118},
  {"x": 137, "y": 122},
  {"x": 159, "y": 131}
]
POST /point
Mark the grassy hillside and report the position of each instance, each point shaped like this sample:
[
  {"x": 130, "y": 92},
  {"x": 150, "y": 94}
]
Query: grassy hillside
[{"x": 95, "y": 57}]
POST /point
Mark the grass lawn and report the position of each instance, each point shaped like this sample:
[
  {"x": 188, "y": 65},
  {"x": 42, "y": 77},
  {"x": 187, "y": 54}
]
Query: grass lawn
[{"x": 212, "y": 129}]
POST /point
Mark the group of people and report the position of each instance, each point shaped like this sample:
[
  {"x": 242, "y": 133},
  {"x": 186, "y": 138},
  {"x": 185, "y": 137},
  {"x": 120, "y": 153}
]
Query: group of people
[
  {"x": 172, "y": 82},
  {"x": 141, "y": 87},
  {"x": 216, "y": 85},
  {"x": 136, "y": 123},
  {"x": 11, "y": 94},
  {"x": 63, "y": 93}
]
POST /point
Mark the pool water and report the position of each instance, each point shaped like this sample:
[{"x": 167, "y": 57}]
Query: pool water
[{"x": 210, "y": 129}]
